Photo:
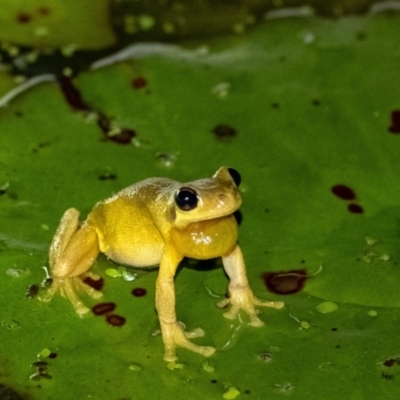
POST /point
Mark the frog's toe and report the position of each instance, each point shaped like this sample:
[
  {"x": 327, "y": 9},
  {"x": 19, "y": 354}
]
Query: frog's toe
[
  {"x": 174, "y": 336},
  {"x": 68, "y": 291},
  {"x": 47, "y": 294},
  {"x": 272, "y": 304},
  {"x": 197, "y": 332},
  {"x": 208, "y": 351}
]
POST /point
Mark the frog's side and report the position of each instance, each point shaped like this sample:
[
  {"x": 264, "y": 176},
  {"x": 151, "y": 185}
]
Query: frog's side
[{"x": 158, "y": 221}]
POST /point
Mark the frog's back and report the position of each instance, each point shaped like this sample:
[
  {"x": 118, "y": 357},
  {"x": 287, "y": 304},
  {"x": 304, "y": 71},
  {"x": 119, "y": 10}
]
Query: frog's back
[{"x": 127, "y": 226}]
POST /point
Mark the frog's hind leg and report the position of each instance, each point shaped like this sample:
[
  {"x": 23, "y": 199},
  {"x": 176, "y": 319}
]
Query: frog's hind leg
[
  {"x": 69, "y": 288},
  {"x": 72, "y": 252}
]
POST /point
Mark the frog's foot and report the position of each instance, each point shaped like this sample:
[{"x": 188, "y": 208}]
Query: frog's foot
[
  {"x": 174, "y": 336},
  {"x": 242, "y": 298},
  {"x": 68, "y": 288}
]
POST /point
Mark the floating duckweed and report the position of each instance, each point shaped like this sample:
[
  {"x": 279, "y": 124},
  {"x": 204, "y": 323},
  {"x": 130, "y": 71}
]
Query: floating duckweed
[
  {"x": 45, "y": 227},
  {"x": 173, "y": 365},
  {"x": 384, "y": 257},
  {"x": 44, "y": 353},
  {"x": 113, "y": 273},
  {"x": 232, "y": 393},
  {"x": 372, "y": 313},
  {"x": 207, "y": 366},
  {"x": 370, "y": 241},
  {"x": 135, "y": 367},
  {"x": 304, "y": 325},
  {"x": 327, "y": 307}
]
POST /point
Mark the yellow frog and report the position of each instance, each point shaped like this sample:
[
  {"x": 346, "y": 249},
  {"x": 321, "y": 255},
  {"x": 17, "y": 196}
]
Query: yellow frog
[{"x": 158, "y": 221}]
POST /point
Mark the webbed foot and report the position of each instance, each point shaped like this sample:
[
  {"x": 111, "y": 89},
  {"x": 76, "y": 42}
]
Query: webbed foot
[
  {"x": 68, "y": 288},
  {"x": 242, "y": 298},
  {"x": 174, "y": 336}
]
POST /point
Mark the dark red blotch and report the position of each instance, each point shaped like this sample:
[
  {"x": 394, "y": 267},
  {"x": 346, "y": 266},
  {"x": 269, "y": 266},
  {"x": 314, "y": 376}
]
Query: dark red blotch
[{"x": 285, "y": 282}]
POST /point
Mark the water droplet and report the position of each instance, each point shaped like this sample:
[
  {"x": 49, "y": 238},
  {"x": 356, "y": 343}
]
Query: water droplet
[
  {"x": 370, "y": 241},
  {"x": 308, "y": 37},
  {"x": 221, "y": 90},
  {"x": 127, "y": 274},
  {"x": 265, "y": 357},
  {"x": 232, "y": 393},
  {"x": 304, "y": 325},
  {"x": 372, "y": 313},
  {"x": 285, "y": 388},
  {"x": 327, "y": 307},
  {"x": 11, "y": 325},
  {"x": 157, "y": 332},
  {"x": 166, "y": 159},
  {"x": 206, "y": 365},
  {"x": 135, "y": 367},
  {"x": 18, "y": 272}
]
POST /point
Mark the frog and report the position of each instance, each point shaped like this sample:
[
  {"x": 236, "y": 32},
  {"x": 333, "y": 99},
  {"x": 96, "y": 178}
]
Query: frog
[{"x": 159, "y": 221}]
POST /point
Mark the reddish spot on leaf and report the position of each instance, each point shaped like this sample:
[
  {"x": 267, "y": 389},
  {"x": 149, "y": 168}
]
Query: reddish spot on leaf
[
  {"x": 224, "y": 131},
  {"x": 355, "y": 208},
  {"x": 124, "y": 136},
  {"x": 286, "y": 282},
  {"x": 24, "y": 18},
  {"x": 139, "y": 82},
  {"x": 43, "y": 11},
  {"x": 343, "y": 192},
  {"x": 395, "y": 126},
  {"x": 139, "y": 292},
  {"x": 116, "y": 320},
  {"x": 72, "y": 95},
  {"x": 103, "y": 308},
  {"x": 97, "y": 285}
]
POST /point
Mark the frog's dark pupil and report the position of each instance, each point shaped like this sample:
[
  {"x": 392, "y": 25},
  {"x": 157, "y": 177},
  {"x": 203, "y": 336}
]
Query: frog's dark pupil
[
  {"x": 186, "y": 199},
  {"x": 235, "y": 176}
]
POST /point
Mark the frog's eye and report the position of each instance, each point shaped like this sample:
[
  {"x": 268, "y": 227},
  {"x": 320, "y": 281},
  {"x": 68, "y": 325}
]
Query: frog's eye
[
  {"x": 186, "y": 199},
  {"x": 235, "y": 176}
]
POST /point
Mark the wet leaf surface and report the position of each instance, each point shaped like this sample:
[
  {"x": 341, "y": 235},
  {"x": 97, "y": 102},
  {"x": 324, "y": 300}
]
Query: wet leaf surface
[{"x": 300, "y": 107}]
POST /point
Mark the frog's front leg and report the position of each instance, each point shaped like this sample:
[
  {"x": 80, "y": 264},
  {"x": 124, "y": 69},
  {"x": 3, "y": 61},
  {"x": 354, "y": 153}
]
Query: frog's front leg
[
  {"x": 72, "y": 252},
  {"x": 240, "y": 296},
  {"x": 173, "y": 334}
]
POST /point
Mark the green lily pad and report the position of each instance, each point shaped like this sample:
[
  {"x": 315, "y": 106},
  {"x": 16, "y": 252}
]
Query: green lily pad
[
  {"x": 54, "y": 23},
  {"x": 299, "y": 107}
]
